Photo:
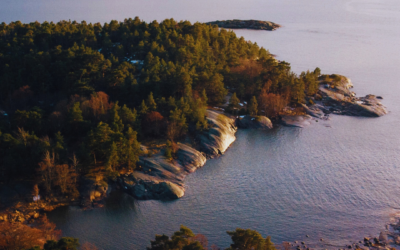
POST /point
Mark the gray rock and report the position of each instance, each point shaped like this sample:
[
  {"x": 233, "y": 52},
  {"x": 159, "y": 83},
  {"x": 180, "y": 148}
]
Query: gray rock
[
  {"x": 190, "y": 158},
  {"x": 299, "y": 121},
  {"x": 314, "y": 111},
  {"x": 259, "y": 122},
  {"x": 343, "y": 101},
  {"x": 161, "y": 178},
  {"x": 219, "y": 137},
  {"x": 144, "y": 149},
  {"x": 383, "y": 238},
  {"x": 145, "y": 189}
]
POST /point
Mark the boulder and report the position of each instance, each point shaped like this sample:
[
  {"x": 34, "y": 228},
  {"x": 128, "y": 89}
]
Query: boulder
[
  {"x": 314, "y": 111},
  {"x": 144, "y": 149},
  {"x": 190, "y": 158},
  {"x": 145, "y": 189},
  {"x": 299, "y": 121},
  {"x": 383, "y": 238},
  {"x": 257, "y": 122}
]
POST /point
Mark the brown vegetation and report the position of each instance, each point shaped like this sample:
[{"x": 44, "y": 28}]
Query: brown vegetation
[
  {"x": 53, "y": 175},
  {"x": 18, "y": 236},
  {"x": 153, "y": 123}
]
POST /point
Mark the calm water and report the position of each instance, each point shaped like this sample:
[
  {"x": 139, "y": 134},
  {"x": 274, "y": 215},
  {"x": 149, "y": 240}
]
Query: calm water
[{"x": 338, "y": 180}]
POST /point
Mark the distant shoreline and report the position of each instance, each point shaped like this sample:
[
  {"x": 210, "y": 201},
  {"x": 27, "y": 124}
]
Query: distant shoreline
[{"x": 246, "y": 24}]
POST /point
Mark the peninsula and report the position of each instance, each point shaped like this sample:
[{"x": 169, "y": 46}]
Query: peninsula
[
  {"x": 138, "y": 106},
  {"x": 246, "y": 24}
]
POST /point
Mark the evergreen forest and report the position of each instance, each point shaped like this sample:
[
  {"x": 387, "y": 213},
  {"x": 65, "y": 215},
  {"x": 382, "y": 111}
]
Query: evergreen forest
[{"x": 81, "y": 96}]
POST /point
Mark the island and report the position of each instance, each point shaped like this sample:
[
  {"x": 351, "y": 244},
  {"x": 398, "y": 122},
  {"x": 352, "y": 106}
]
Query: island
[{"x": 246, "y": 24}]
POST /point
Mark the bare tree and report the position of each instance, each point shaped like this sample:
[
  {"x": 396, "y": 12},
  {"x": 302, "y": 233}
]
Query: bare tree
[
  {"x": 62, "y": 177},
  {"x": 47, "y": 171},
  {"x": 74, "y": 164},
  {"x": 47, "y": 228}
]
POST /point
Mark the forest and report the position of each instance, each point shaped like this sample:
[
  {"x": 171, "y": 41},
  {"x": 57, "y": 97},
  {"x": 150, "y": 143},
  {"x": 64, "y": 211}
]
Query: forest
[{"x": 80, "y": 96}]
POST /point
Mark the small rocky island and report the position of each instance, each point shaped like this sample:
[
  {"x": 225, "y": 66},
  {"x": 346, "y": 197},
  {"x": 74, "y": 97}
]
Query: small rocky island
[{"x": 246, "y": 24}]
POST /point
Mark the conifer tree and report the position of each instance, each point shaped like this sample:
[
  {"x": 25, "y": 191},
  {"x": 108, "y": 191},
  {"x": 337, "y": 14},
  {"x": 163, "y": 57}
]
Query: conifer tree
[
  {"x": 168, "y": 150},
  {"x": 112, "y": 157},
  {"x": 75, "y": 113},
  {"x": 234, "y": 101},
  {"x": 151, "y": 104},
  {"x": 143, "y": 109},
  {"x": 268, "y": 244},
  {"x": 115, "y": 121},
  {"x": 253, "y": 106},
  {"x": 127, "y": 115},
  {"x": 131, "y": 148}
]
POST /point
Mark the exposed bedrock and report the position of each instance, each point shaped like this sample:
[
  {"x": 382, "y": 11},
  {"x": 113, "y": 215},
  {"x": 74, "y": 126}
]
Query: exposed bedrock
[{"x": 161, "y": 178}]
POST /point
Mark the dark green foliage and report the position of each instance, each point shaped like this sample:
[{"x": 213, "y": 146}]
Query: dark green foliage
[
  {"x": 29, "y": 120},
  {"x": 234, "y": 101},
  {"x": 115, "y": 121},
  {"x": 143, "y": 109},
  {"x": 246, "y": 239},
  {"x": 185, "y": 239},
  {"x": 182, "y": 239},
  {"x": 151, "y": 104},
  {"x": 92, "y": 87},
  {"x": 131, "y": 149},
  {"x": 65, "y": 243},
  {"x": 253, "y": 106},
  {"x": 168, "y": 150}
]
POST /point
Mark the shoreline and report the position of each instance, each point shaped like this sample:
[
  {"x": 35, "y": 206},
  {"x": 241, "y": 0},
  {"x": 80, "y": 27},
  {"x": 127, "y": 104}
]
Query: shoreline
[
  {"x": 246, "y": 24},
  {"x": 162, "y": 179}
]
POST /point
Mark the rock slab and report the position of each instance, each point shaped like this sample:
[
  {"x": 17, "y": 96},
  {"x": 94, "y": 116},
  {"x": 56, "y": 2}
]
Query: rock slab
[{"x": 162, "y": 178}]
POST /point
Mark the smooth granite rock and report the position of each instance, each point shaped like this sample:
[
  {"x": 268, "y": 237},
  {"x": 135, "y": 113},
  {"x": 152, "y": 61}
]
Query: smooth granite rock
[{"x": 258, "y": 122}]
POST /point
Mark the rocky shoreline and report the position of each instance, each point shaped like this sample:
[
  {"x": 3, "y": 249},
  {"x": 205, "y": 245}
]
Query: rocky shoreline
[
  {"x": 161, "y": 178},
  {"x": 246, "y": 24},
  {"x": 388, "y": 239},
  {"x": 336, "y": 98}
]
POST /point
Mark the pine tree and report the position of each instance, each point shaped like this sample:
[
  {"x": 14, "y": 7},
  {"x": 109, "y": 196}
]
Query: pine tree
[
  {"x": 171, "y": 103},
  {"x": 143, "y": 109},
  {"x": 151, "y": 104},
  {"x": 234, "y": 101},
  {"x": 268, "y": 244},
  {"x": 204, "y": 97},
  {"x": 131, "y": 149},
  {"x": 128, "y": 116},
  {"x": 113, "y": 157},
  {"x": 59, "y": 145},
  {"x": 116, "y": 122},
  {"x": 168, "y": 150},
  {"x": 75, "y": 113},
  {"x": 253, "y": 106}
]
